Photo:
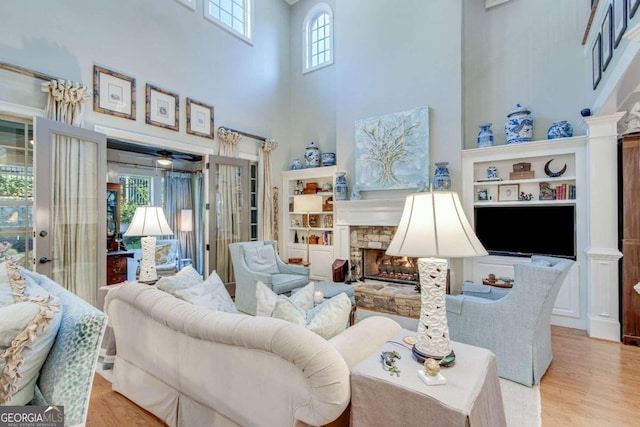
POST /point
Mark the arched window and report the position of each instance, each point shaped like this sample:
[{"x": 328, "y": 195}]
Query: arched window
[
  {"x": 232, "y": 15},
  {"x": 318, "y": 38}
]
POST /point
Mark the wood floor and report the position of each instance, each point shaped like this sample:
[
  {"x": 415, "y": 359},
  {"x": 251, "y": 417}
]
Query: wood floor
[{"x": 590, "y": 383}]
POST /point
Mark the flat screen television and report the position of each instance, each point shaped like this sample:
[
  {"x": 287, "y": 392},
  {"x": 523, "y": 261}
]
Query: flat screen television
[{"x": 527, "y": 230}]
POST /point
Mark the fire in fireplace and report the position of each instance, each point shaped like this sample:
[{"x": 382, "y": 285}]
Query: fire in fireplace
[{"x": 379, "y": 266}]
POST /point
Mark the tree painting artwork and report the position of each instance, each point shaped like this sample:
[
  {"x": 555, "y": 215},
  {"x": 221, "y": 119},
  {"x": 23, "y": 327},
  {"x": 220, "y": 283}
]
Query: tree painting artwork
[{"x": 392, "y": 151}]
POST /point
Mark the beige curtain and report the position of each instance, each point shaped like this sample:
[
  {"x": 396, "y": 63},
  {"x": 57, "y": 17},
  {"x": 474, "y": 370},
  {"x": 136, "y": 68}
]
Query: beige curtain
[
  {"x": 228, "y": 205},
  {"x": 74, "y": 205},
  {"x": 265, "y": 197}
]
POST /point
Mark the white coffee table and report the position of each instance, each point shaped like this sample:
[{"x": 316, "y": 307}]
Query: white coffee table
[{"x": 471, "y": 396}]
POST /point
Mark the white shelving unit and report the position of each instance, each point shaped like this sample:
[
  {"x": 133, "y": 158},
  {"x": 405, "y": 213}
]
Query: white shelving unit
[
  {"x": 570, "y": 307},
  {"x": 321, "y": 254}
]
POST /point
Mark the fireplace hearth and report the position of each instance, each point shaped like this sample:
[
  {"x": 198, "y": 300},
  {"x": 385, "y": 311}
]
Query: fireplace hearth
[{"x": 377, "y": 265}]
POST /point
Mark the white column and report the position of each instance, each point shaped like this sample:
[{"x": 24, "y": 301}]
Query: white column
[{"x": 603, "y": 319}]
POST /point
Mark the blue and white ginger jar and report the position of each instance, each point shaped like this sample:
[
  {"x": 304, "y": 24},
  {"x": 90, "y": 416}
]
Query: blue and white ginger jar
[
  {"x": 561, "y": 129},
  {"x": 296, "y": 164},
  {"x": 312, "y": 156},
  {"x": 485, "y": 136},
  {"x": 519, "y": 125},
  {"x": 441, "y": 178},
  {"x": 328, "y": 159},
  {"x": 340, "y": 188}
]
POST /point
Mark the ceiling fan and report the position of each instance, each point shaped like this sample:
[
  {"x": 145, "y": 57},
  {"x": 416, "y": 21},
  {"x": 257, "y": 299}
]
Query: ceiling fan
[{"x": 167, "y": 157}]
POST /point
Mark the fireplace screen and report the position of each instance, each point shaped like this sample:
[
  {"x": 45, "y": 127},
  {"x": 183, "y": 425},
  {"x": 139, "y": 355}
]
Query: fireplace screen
[{"x": 379, "y": 266}]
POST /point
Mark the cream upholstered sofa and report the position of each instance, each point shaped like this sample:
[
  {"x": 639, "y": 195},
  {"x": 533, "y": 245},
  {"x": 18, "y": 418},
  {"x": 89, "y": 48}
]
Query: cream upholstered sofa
[{"x": 191, "y": 366}]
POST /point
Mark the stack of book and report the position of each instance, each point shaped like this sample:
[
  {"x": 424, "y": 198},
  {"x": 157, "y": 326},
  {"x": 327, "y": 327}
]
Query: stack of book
[{"x": 565, "y": 191}]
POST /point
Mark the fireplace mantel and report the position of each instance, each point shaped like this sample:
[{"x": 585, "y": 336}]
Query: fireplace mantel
[
  {"x": 368, "y": 212},
  {"x": 362, "y": 213}
]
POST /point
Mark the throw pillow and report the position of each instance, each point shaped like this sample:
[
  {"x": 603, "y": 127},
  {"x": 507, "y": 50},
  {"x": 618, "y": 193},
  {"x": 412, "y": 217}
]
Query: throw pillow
[
  {"x": 27, "y": 332},
  {"x": 266, "y": 299},
  {"x": 210, "y": 294},
  {"x": 183, "y": 279},
  {"x": 261, "y": 259},
  {"x": 163, "y": 254},
  {"x": 327, "y": 319}
]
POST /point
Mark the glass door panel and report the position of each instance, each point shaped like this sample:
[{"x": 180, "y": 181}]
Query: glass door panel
[
  {"x": 70, "y": 207},
  {"x": 16, "y": 189}
]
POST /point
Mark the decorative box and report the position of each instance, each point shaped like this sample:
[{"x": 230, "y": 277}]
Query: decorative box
[
  {"x": 522, "y": 175},
  {"x": 522, "y": 167}
]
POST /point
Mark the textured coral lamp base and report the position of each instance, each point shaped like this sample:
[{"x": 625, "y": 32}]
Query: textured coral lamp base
[
  {"x": 433, "y": 331},
  {"x": 148, "y": 273}
]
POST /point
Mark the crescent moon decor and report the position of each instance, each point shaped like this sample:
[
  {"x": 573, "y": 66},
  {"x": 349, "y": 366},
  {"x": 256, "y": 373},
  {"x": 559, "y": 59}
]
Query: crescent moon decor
[{"x": 551, "y": 174}]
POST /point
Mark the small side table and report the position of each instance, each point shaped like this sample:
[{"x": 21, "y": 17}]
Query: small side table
[{"x": 471, "y": 397}]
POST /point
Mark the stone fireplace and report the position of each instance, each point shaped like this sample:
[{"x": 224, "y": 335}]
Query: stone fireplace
[{"x": 364, "y": 230}]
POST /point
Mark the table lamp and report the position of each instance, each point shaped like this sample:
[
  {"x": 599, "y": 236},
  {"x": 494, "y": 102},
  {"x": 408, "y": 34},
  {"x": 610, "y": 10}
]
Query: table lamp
[
  {"x": 148, "y": 221},
  {"x": 433, "y": 224},
  {"x": 307, "y": 204}
]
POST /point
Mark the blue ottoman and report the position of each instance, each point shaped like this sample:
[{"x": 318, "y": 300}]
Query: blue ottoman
[{"x": 331, "y": 289}]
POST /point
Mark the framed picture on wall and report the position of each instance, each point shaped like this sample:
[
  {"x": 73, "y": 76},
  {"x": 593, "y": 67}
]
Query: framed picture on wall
[
  {"x": 114, "y": 93},
  {"x": 162, "y": 108},
  {"x": 633, "y": 7},
  {"x": 199, "y": 119},
  {"x": 607, "y": 40},
  {"x": 596, "y": 61},
  {"x": 619, "y": 20}
]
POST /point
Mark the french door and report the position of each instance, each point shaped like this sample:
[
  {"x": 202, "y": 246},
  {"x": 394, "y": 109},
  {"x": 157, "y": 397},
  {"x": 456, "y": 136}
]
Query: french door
[
  {"x": 70, "y": 206},
  {"x": 229, "y": 212}
]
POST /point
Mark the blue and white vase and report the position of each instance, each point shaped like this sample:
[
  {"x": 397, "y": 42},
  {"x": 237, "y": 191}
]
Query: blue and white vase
[
  {"x": 312, "y": 156},
  {"x": 296, "y": 164},
  {"x": 328, "y": 159},
  {"x": 485, "y": 136},
  {"x": 441, "y": 178},
  {"x": 561, "y": 129},
  {"x": 519, "y": 125},
  {"x": 340, "y": 188}
]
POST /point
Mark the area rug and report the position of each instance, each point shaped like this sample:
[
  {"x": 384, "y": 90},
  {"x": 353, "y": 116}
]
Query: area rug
[{"x": 522, "y": 405}]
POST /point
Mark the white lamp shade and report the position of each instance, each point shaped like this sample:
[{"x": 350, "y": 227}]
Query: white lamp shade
[
  {"x": 433, "y": 224},
  {"x": 307, "y": 203},
  {"x": 186, "y": 220},
  {"x": 148, "y": 221}
]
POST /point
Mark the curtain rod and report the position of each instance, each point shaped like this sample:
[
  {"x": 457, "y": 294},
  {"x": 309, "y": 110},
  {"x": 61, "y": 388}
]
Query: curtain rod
[
  {"x": 248, "y": 135},
  {"x": 27, "y": 72}
]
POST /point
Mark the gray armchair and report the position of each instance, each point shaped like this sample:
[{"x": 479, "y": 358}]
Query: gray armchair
[
  {"x": 517, "y": 326},
  {"x": 253, "y": 261}
]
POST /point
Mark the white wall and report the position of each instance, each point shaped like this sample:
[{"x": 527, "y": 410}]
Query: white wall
[
  {"x": 395, "y": 56},
  {"x": 526, "y": 52},
  {"x": 313, "y": 95},
  {"x": 167, "y": 45}
]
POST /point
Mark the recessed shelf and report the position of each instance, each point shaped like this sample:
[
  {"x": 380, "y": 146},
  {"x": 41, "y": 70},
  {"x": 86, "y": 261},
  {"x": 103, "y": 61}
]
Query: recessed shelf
[
  {"x": 523, "y": 181},
  {"x": 525, "y": 203}
]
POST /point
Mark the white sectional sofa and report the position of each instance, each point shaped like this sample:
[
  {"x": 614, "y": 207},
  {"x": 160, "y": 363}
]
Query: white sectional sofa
[{"x": 192, "y": 366}]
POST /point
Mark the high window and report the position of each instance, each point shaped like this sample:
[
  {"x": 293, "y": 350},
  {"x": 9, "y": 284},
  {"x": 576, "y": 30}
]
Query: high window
[
  {"x": 318, "y": 37},
  {"x": 232, "y": 15}
]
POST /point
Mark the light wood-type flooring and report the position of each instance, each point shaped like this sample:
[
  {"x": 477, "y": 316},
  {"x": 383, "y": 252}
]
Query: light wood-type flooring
[{"x": 590, "y": 383}]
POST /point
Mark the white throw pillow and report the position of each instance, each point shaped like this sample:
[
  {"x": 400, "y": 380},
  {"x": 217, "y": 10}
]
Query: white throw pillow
[
  {"x": 266, "y": 299},
  {"x": 210, "y": 294},
  {"x": 331, "y": 317},
  {"x": 327, "y": 319},
  {"x": 185, "y": 278},
  {"x": 261, "y": 259}
]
